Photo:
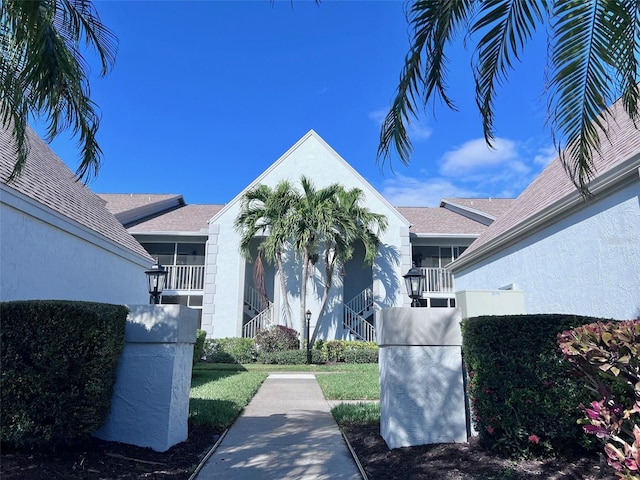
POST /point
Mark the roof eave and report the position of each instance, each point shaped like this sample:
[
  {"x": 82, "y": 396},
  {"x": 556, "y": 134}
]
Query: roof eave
[
  {"x": 471, "y": 210},
  {"x": 445, "y": 235},
  {"x": 183, "y": 233},
  {"x": 32, "y": 207},
  {"x": 610, "y": 180}
]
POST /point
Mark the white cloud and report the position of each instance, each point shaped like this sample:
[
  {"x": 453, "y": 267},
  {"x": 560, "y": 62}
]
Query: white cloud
[
  {"x": 471, "y": 170},
  {"x": 403, "y": 191},
  {"x": 378, "y": 116},
  {"x": 418, "y": 132},
  {"x": 475, "y": 156},
  {"x": 545, "y": 156}
]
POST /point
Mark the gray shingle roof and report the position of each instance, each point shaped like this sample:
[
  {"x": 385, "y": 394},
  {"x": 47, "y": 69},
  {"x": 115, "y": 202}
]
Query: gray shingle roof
[
  {"x": 430, "y": 220},
  {"x": 189, "y": 218},
  {"x": 553, "y": 184},
  {"x": 123, "y": 202},
  {"x": 494, "y": 207},
  {"x": 47, "y": 180}
]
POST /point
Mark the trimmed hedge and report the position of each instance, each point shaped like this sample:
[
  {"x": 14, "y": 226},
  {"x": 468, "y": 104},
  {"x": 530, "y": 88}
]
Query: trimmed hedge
[
  {"x": 59, "y": 364},
  {"x": 279, "y": 345},
  {"x": 230, "y": 350},
  {"x": 524, "y": 398},
  {"x": 290, "y": 357},
  {"x": 344, "y": 351}
]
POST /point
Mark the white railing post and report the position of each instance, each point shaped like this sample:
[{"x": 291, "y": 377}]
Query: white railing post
[
  {"x": 185, "y": 277},
  {"x": 437, "y": 280}
]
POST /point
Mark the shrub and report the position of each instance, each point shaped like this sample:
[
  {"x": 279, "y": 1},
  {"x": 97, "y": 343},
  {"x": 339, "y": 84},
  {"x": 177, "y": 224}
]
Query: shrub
[
  {"x": 290, "y": 357},
  {"x": 198, "y": 347},
  {"x": 59, "y": 363},
  {"x": 230, "y": 350},
  {"x": 361, "y": 356},
  {"x": 277, "y": 338},
  {"x": 335, "y": 350},
  {"x": 608, "y": 355},
  {"x": 524, "y": 400}
]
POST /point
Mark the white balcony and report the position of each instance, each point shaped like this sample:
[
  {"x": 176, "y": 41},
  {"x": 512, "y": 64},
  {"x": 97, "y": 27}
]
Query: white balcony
[
  {"x": 184, "y": 277},
  {"x": 436, "y": 280}
]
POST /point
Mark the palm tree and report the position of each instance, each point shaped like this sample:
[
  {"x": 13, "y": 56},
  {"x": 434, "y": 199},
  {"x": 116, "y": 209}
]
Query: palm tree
[
  {"x": 593, "y": 60},
  {"x": 312, "y": 218},
  {"x": 42, "y": 72},
  {"x": 352, "y": 223},
  {"x": 265, "y": 211}
]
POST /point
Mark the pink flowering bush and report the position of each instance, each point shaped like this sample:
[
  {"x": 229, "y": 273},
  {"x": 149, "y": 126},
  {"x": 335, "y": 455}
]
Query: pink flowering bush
[{"x": 608, "y": 355}]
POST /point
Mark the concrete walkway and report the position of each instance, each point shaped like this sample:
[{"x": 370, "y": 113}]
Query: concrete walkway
[{"x": 286, "y": 432}]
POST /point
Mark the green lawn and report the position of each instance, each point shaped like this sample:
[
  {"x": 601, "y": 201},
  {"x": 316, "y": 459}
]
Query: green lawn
[
  {"x": 220, "y": 391},
  {"x": 360, "y": 413},
  {"x": 218, "y": 395},
  {"x": 361, "y": 383}
]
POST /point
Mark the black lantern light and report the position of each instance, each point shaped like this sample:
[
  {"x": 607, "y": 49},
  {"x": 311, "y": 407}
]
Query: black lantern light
[
  {"x": 413, "y": 281},
  {"x": 156, "y": 276},
  {"x": 308, "y": 315}
]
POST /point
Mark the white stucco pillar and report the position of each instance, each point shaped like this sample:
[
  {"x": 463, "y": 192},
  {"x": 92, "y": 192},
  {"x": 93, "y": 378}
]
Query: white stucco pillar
[
  {"x": 422, "y": 398},
  {"x": 150, "y": 405}
]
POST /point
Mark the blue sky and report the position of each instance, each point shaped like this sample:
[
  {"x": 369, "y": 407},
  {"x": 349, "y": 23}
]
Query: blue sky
[{"x": 205, "y": 95}]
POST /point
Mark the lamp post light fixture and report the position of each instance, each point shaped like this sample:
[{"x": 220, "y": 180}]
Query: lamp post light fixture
[
  {"x": 156, "y": 276},
  {"x": 413, "y": 281},
  {"x": 308, "y": 315}
]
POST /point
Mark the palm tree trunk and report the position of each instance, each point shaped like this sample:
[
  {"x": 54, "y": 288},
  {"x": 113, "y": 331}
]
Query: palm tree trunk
[
  {"x": 283, "y": 291},
  {"x": 303, "y": 300},
  {"x": 329, "y": 268}
]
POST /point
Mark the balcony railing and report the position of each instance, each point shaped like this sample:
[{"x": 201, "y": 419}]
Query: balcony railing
[
  {"x": 437, "y": 280},
  {"x": 184, "y": 277}
]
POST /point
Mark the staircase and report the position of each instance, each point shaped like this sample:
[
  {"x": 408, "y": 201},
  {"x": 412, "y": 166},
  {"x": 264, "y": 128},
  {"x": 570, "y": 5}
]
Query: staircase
[
  {"x": 357, "y": 311},
  {"x": 261, "y": 318}
]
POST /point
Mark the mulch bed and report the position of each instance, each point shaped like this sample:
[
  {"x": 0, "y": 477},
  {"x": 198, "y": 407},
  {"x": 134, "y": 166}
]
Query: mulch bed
[{"x": 97, "y": 459}]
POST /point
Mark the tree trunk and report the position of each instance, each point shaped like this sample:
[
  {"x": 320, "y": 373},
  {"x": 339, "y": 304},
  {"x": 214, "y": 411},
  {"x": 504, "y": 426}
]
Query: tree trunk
[
  {"x": 303, "y": 301},
  {"x": 283, "y": 291},
  {"x": 329, "y": 269}
]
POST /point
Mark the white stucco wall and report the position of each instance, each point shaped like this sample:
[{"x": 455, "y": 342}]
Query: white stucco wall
[
  {"x": 587, "y": 263},
  {"x": 422, "y": 398},
  {"x": 48, "y": 257},
  {"x": 150, "y": 404},
  {"x": 222, "y": 313}
]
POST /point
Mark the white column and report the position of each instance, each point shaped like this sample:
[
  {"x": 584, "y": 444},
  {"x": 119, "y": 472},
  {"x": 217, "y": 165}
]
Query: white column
[
  {"x": 422, "y": 398},
  {"x": 150, "y": 404}
]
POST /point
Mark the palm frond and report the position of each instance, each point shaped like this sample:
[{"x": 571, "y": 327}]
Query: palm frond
[
  {"x": 434, "y": 24},
  {"x": 43, "y": 67},
  {"x": 585, "y": 58},
  {"x": 510, "y": 24}
]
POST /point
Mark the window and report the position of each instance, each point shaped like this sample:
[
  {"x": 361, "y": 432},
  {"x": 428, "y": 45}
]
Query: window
[
  {"x": 190, "y": 254},
  {"x": 434, "y": 256},
  {"x": 176, "y": 253},
  {"x": 163, "y": 252}
]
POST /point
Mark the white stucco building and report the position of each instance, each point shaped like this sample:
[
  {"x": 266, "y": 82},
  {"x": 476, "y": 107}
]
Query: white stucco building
[
  {"x": 200, "y": 247},
  {"x": 57, "y": 240},
  {"x": 568, "y": 254}
]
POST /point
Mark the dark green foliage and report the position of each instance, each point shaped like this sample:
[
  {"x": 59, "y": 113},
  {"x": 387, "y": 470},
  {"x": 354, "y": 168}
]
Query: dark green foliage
[
  {"x": 198, "y": 347},
  {"x": 524, "y": 399},
  {"x": 290, "y": 357},
  {"x": 361, "y": 356},
  {"x": 278, "y": 338},
  {"x": 230, "y": 350},
  {"x": 337, "y": 351},
  {"x": 59, "y": 363}
]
